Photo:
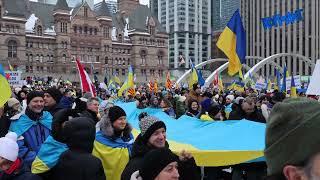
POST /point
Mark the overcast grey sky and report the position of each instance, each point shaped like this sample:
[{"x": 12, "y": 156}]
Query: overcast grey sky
[{"x": 141, "y": 1}]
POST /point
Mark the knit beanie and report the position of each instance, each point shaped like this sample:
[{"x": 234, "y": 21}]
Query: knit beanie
[
  {"x": 195, "y": 86},
  {"x": 148, "y": 125},
  {"x": 12, "y": 102},
  {"x": 231, "y": 97},
  {"x": 155, "y": 161},
  {"x": 80, "y": 133},
  {"x": 115, "y": 113},
  {"x": 205, "y": 104},
  {"x": 9, "y": 147},
  {"x": 34, "y": 94},
  {"x": 55, "y": 93},
  {"x": 292, "y": 133}
]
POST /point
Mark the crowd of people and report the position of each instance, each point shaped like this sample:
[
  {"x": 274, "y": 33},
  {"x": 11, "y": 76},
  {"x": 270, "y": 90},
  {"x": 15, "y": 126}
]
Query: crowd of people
[{"x": 61, "y": 133}]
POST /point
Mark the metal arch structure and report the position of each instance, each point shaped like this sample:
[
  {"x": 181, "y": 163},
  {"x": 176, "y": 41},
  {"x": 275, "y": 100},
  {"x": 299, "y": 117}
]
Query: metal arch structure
[
  {"x": 219, "y": 70},
  {"x": 200, "y": 65},
  {"x": 270, "y": 59},
  {"x": 225, "y": 66}
]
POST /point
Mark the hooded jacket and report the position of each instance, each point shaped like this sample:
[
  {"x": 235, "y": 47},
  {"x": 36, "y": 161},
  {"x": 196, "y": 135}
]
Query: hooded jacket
[
  {"x": 113, "y": 149},
  {"x": 78, "y": 162},
  {"x": 188, "y": 170}
]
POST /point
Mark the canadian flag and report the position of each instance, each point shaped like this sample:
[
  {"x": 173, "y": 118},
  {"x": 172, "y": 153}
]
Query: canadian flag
[{"x": 86, "y": 83}]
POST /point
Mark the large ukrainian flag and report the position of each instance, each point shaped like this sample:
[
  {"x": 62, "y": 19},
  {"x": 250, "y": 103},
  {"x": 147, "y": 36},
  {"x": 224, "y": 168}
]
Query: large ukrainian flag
[
  {"x": 212, "y": 143},
  {"x": 232, "y": 42}
]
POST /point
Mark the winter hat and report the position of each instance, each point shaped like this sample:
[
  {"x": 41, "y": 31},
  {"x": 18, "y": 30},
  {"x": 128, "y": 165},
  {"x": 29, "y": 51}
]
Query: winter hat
[
  {"x": 195, "y": 86},
  {"x": 12, "y": 102},
  {"x": 115, "y": 113},
  {"x": 34, "y": 94},
  {"x": 278, "y": 97},
  {"x": 80, "y": 133},
  {"x": 231, "y": 97},
  {"x": 205, "y": 104},
  {"x": 55, "y": 93},
  {"x": 9, "y": 147},
  {"x": 292, "y": 133},
  {"x": 238, "y": 100},
  {"x": 155, "y": 161},
  {"x": 59, "y": 118},
  {"x": 213, "y": 110},
  {"x": 149, "y": 124}
]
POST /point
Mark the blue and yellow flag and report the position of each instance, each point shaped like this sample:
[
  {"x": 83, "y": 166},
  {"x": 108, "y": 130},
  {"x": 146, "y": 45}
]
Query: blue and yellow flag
[
  {"x": 284, "y": 80},
  {"x": 277, "y": 80},
  {"x": 194, "y": 76},
  {"x": 10, "y": 67},
  {"x": 220, "y": 84},
  {"x": 200, "y": 78},
  {"x": 234, "y": 142},
  {"x": 232, "y": 42},
  {"x": 4, "y": 87},
  {"x": 128, "y": 83},
  {"x": 293, "y": 90}
]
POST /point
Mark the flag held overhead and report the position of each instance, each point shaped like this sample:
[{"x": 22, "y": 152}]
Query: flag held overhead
[{"x": 232, "y": 42}]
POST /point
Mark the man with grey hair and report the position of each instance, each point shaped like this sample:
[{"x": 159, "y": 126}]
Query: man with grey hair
[
  {"x": 92, "y": 109},
  {"x": 292, "y": 148}
]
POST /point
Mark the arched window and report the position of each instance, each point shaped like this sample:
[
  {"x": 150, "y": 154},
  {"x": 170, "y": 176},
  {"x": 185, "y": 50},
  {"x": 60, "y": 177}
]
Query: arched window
[
  {"x": 143, "y": 55},
  {"x": 64, "y": 58},
  {"x": 106, "y": 60},
  {"x": 80, "y": 30},
  {"x": 75, "y": 29},
  {"x": 160, "y": 57},
  {"x": 41, "y": 58},
  {"x": 95, "y": 31},
  {"x": 106, "y": 32},
  {"x": 39, "y": 30},
  {"x": 12, "y": 49}
]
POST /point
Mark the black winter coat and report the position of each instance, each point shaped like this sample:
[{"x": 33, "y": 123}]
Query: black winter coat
[
  {"x": 188, "y": 170},
  {"x": 239, "y": 114},
  {"x": 54, "y": 109},
  {"x": 77, "y": 166},
  {"x": 89, "y": 114},
  {"x": 4, "y": 125}
]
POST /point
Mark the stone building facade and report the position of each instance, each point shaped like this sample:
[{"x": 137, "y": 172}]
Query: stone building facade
[{"x": 44, "y": 40}]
